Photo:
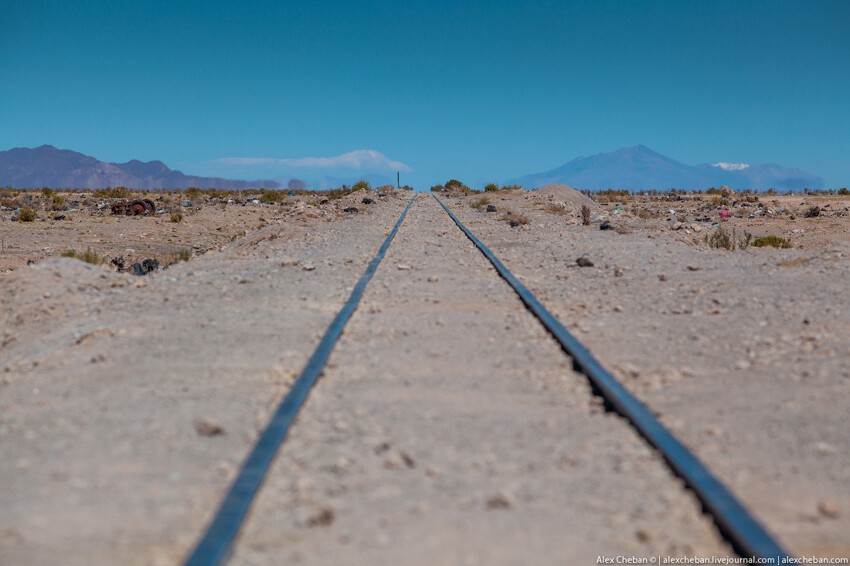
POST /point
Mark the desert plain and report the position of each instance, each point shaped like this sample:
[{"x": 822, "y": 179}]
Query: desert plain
[{"x": 448, "y": 427}]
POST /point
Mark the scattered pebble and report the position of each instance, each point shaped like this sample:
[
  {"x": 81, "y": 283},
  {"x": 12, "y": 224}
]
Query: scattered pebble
[
  {"x": 644, "y": 535},
  {"x": 208, "y": 428},
  {"x": 499, "y": 501},
  {"x": 584, "y": 261},
  {"x": 828, "y": 509},
  {"x": 321, "y": 517},
  {"x": 397, "y": 460},
  {"x": 403, "y": 267},
  {"x": 309, "y": 267}
]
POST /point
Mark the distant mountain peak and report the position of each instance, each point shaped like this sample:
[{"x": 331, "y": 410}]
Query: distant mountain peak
[
  {"x": 47, "y": 166},
  {"x": 641, "y": 168}
]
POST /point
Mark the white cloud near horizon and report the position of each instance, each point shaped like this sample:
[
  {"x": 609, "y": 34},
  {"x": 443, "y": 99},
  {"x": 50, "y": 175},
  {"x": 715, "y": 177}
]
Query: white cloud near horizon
[
  {"x": 359, "y": 159},
  {"x": 731, "y": 166}
]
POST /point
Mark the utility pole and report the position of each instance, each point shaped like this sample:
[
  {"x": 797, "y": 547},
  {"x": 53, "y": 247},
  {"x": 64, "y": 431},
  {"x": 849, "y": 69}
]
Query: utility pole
[{"x": 398, "y": 179}]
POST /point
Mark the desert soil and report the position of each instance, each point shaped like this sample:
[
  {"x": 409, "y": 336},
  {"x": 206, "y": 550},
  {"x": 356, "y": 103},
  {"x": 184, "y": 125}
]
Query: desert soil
[{"x": 448, "y": 426}]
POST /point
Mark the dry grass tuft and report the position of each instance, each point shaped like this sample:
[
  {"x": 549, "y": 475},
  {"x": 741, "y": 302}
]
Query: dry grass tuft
[{"x": 515, "y": 218}]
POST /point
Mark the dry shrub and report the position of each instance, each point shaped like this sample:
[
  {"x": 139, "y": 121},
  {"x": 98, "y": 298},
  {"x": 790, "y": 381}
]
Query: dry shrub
[
  {"x": 515, "y": 218},
  {"x": 87, "y": 256},
  {"x": 585, "y": 215},
  {"x": 27, "y": 214},
  {"x": 557, "y": 208},
  {"x": 480, "y": 202},
  {"x": 773, "y": 241}
]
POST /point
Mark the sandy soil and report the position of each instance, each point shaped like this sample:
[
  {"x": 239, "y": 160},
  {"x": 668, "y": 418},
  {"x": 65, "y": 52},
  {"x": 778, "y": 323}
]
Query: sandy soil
[{"x": 448, "y": 427}]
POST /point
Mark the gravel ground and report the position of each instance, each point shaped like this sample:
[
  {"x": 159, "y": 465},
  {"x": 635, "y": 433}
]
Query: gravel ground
[
  {"x": 448, "y": 427},
  {"x": 744, "y": 354},
  {"x": 127, "y": 404}
]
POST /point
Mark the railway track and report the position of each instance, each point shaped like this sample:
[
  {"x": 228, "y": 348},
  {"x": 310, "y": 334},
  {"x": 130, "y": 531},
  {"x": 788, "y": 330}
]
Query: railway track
[{"x": 737, "y": 526}]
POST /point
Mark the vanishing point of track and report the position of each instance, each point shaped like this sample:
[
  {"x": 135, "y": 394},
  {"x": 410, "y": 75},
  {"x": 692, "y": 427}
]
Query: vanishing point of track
[{"x": 738, "y": 527}]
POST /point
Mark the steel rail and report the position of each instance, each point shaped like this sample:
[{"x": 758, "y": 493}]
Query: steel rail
[
  {"x": 214, "y": 547},
  {"x": 741, "y": 530}
]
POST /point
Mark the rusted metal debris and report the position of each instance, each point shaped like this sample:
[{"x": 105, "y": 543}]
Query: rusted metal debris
[
  {"x": 140, "y": 268},
  {"x": 142, "y": 207}
]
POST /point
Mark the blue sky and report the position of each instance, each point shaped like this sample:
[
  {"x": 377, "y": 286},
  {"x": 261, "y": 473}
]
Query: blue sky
[{"x": 472, "y": 90}]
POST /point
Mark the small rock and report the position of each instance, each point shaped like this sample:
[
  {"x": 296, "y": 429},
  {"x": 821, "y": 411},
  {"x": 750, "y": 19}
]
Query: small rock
[
  {"x": 403, "y": 267},
  {"x": 367, "y": 200},
  {"x": 321, "y": 517},
  {"x": 694, "y": 268},
  {"x": 605, "y": 225},
  {"x": 350, "y": 209},
  {"x": 208, "y": 428},
  {"x": 499, "y": 501},
  {"x": 397, "y": 460},
  {"x": 662, "y": 277},
  {"x": 828, "y": 509},
  {"x": 676, "y": 226},
  {"x": 491, "y": 208},
  {"x": 289, "y": 261},
  {"x": 825, "y": 448},
  {"x": 644, "y": 535},
  {"x": 309, "y": 267},
  {"x": 618, "y": 271},
  {"x": 433, "y": 279},
  {"x": 696, "y": 227},
  {"x": 584, "y": 261},
  {"x": 742, "y": 364}
]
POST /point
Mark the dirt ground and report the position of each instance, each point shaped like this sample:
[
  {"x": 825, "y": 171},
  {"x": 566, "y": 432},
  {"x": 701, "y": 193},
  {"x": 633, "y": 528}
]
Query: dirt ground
[{"x": 448, "y": 426}]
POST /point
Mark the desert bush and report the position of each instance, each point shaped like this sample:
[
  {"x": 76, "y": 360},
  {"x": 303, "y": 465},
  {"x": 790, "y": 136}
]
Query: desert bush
[
  {"x": 843, "y": 192},
  {"x": 642, "y": 213},
  {"x": 613, "y": 194},
  {"x": 27, "y": 214},
  {"x": 453, "y": 185},
  {"x": 58, "y": 202},
  {"x": 335, "y": 194},
  {"x": 193, "y": 192},
  {"x": 87, "y": 256},
  {"x": 184, "y": 254},
  {"x": 176, "y": 217},
  {"x": 491, "y": 188},
  {"x": 511, "y": 188},
  {"x": 47, "y": 191},
  {"x": 269, "y": 196},
  {"x": 773, "y": 241},
  {"x": 585, "y": 215},
  {"x": 515, "y": 218},
  {"x": 480, "y": 203},
  {"x": 721, "y": 239},
  {"x": 812, "y": 212},
  {"x": 361, "y": 185},
  {"x": 438, "y": 189},
  {"x": 556, "y": 208},
  {"x": 113, "y": 192}
]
